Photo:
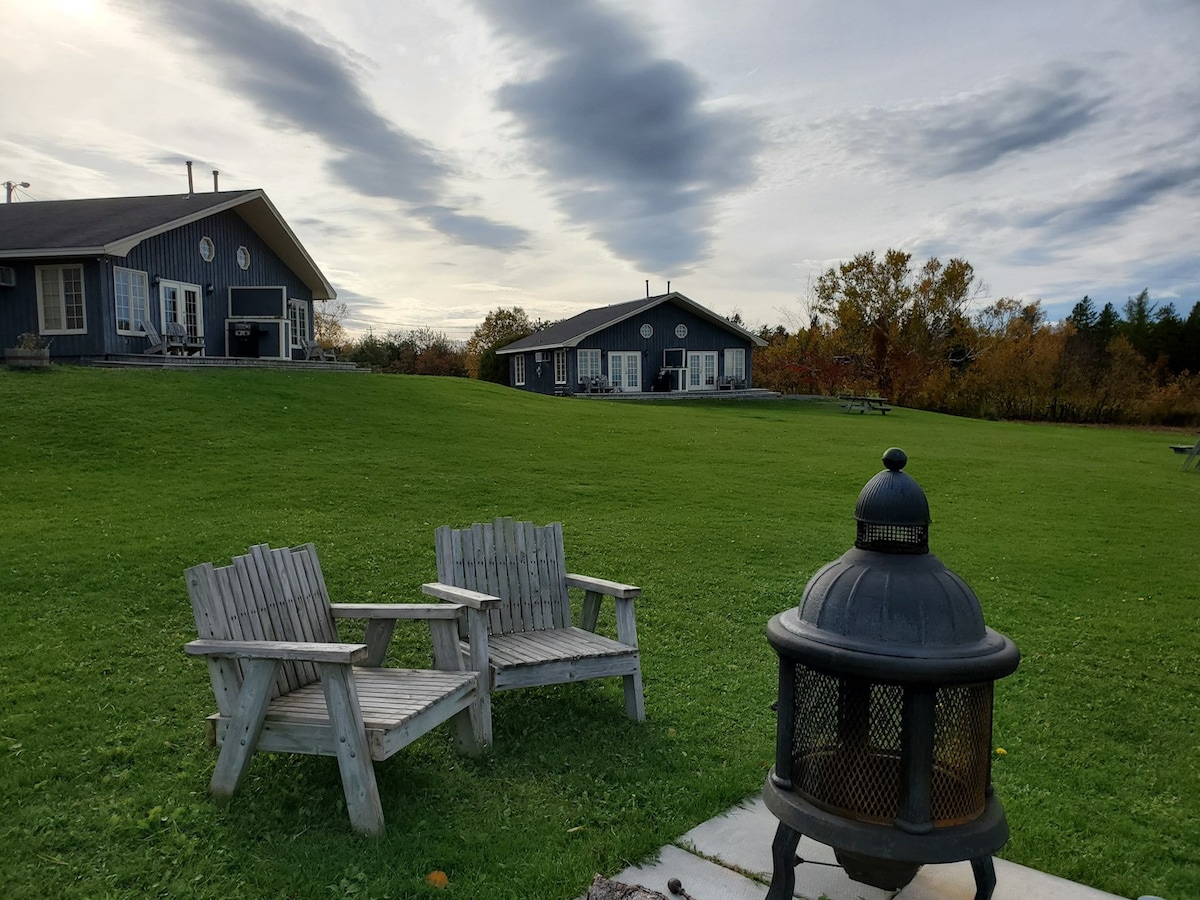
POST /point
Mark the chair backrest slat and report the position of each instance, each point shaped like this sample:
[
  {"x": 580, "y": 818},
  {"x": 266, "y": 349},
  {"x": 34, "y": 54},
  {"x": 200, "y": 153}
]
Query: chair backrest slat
[
  {"x": 268, "y": 595},
  {"x": 519, "y": 562}
]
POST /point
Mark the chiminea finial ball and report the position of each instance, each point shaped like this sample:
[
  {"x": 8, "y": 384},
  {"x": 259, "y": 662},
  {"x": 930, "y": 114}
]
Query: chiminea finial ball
[{"x": 894, "y": 459}]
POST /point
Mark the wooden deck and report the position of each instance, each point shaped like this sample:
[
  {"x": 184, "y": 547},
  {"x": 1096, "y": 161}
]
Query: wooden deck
[
  {"x": 144, "y": 361},
  {"x": 745, "y": 394}
]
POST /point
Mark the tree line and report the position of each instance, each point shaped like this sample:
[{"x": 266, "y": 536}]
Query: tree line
[
  {"x": 426, "y": 351},
  {"x": 916, "y": 336}
]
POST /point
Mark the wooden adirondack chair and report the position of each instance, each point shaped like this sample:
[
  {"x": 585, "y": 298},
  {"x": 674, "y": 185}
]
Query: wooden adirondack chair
[
  {"x": 284, "y": 683},
  {"x": 180, "y": 341},
  {"x": 313, "y": 350},
  {"x": 532, "y": 640},
  {"x": 155, "y": 343},
  {"x": 1191, "y": 453}
]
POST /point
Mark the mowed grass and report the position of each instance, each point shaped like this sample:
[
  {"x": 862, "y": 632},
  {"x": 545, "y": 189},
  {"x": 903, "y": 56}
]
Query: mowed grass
[{"x": 1080, "y": 542}]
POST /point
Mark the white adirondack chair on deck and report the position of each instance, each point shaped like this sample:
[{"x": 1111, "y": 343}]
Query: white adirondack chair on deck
[
  {"x": 532, "y": 641},
  {"x": 284, "y": 683}
]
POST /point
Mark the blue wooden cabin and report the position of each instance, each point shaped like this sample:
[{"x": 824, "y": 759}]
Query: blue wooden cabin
[
  {"x": 88, "y": 273},
  {"x": 666, "y": 343}
]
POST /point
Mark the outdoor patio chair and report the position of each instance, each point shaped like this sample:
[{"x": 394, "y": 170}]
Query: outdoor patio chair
[
  {"x": 156, "y": 344},
  {"x": 285, "y": 684},
  {"x": 1191, "y": 455},
  {"x": 313, "y": 350},
  {"x": 532, "y": 640},
  {"x": 180, "y": 341}
]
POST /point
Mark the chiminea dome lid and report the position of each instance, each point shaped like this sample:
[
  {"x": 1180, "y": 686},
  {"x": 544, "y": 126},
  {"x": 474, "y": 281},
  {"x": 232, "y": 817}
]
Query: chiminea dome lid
[
  {"x": 892, "y": 510},
  {"x": 889, "y": 607}
]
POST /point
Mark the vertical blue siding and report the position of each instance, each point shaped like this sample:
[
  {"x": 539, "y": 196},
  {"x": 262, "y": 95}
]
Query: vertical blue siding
[
  {"x": 173, "y": 256},
  {"x": 625, "y": 337}
]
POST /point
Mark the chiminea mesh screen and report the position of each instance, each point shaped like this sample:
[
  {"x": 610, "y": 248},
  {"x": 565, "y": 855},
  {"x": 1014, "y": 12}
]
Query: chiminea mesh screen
[
  {"x": 846, "y": 747},
  {"x": 893, "y": 538}
]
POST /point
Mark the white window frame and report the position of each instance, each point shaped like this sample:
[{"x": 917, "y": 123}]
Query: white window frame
[
  {"x": 588, "y": 362},
  {"x": 519, "y": 370},
  {"x": 127, "y": 294},
  {"x": 735, "y": 362},
  {"x": 60, "y": 300},
  {"x": 560, "y": 366},
  {"x": 298, "y": 316}
]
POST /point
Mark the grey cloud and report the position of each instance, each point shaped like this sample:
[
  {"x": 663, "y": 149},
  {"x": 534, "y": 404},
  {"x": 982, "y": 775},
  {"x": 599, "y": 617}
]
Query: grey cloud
[
  {"x": 635, "y": 156},
  {"x": 471, "y": 229},
  {"x": 310, "y": 88},
  {"x": 972, "y": 132},
  {"x": 1121, "y": 195}
]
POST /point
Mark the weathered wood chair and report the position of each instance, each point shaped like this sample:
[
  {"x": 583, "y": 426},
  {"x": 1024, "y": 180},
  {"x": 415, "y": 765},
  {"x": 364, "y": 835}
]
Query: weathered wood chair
[
  {"x": 180, "y": 341},
  {"x": 1191, "y": 453},
  {"x": 313, "y": 350},
  {"x": 155, "y": 344},
  {"x": 284, "y": 683},
  {"x": 532, "y": 641}
]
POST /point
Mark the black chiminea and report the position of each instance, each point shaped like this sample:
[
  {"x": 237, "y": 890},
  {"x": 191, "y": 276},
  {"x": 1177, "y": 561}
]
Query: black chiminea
[{"x": 884, "y": 738}]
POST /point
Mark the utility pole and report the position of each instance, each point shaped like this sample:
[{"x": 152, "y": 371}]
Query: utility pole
[{"x": 10, "y": 186}]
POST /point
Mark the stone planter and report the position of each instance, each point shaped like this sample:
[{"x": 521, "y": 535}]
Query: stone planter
[{"x": 18, "y": 358}]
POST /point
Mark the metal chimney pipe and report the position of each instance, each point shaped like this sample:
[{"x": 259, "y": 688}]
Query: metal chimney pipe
[
  {"x": 216, "y": 187},
  {"x": 668, "y": 287},
  {"x": 647, "y": 287},
  {"x": 191, "y": 187}
]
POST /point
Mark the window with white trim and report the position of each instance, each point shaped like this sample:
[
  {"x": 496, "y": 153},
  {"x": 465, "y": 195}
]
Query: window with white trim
[
  {"x": 560, "y": 366},
  {"x": 60, "y": 300},
  {"x": 519, "y": 370},
  {"x": 131, "y": 295},
  {"x": 298, "y": 316},
  {"x": 735, "y": 362},
  {"x": 589, "y": 363}
]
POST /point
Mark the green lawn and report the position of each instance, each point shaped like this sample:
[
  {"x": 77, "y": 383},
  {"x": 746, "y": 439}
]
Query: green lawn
[{"x": 1081, "y": 543}]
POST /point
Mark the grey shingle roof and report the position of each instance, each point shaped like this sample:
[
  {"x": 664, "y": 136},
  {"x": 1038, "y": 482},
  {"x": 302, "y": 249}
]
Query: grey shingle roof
[
  {"x": 112, "y": 226},
  {"x": 570, "y": 332},
  {"x": 93, "y": 224}
]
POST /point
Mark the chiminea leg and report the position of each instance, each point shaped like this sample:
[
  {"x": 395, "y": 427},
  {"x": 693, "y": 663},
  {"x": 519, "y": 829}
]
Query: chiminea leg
[
  {"x": 783, "y": 855},
  {"x": 985, "y": 877}
]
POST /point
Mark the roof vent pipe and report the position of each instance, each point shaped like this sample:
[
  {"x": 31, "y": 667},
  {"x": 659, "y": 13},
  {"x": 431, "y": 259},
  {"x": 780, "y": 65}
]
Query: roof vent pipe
[
  {"x": 668, "y": 287},
  {"x": 647, "y": 287},
  {"x": 216, "y": 187},
  {"x": 191, "y": 187}
]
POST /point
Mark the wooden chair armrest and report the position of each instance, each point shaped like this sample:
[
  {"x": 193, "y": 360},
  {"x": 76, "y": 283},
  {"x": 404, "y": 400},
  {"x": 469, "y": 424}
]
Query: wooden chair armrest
[
  {"x": 600, "y": 586},
  {"x": 473, "y": 599},
  {"x": 396, "y": 610},
  {"x": 297, "y": 650}
]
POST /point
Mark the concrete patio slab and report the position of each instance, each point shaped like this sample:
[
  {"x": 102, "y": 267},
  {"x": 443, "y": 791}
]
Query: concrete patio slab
[{"x": 729, "y": 858}]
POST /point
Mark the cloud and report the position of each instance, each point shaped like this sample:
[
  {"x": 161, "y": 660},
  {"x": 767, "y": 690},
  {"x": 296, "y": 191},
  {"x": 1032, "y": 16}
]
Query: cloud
[
  {"x": 312, "y": 89},
  {"x": 971, "y": 132},
  {"x": 636, "y": 156},
  {"x": 1108, "y": 202}
]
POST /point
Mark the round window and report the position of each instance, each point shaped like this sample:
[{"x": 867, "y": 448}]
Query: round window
[
  {"x": 243, "y": 257},
  {"x": 680, "y": 331},
  {"x": 647, "y": 330},
  {"x": 207, "y": 249}
]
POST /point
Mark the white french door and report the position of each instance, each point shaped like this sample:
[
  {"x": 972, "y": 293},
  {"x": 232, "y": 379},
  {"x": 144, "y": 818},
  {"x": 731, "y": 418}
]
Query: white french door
[
  {"x": 181, "y": 303},
  {"x": 702, "y": 371},
  {"x": 625, "y": 371}
]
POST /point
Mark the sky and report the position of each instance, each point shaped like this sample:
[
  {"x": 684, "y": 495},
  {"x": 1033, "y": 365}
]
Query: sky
[{"x": 442, "y": 158}]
